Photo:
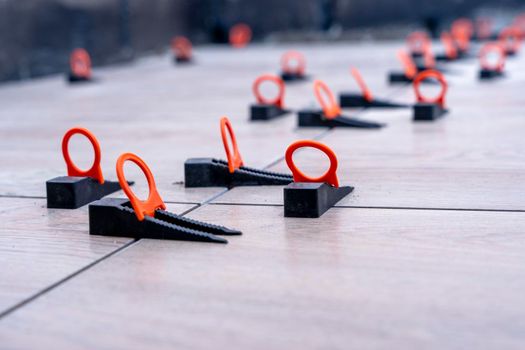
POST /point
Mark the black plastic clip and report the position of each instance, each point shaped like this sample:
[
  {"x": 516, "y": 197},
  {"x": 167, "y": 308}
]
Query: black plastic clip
[
  {"x": 489, "y": 69},
  {"x": 79, "y": 187},
  {"x": 79, "y": 66},
  {"x": 487, "y": 74},
  {"x": 417, "y": 43},
  {"x": 357, "y": 100},
  {"x": 365, "y": 99},
  {"x": 450, "y": 49},
  {"x": 317, "y": 118},
  {"x": 268, "y": 109},
  {"x": 293, "y": 66},
  {"x": 147, "y": 219},
  {"x": 72, "y": 192},
  {"x": 293, "y": 77},
  {"x": 409, "y": 72},
  {"x": 311, "y": 198},
  {"x": 395, "y": 77},
  {"x": 182, "y": 50},
  {"x": 426, "y": 109},
  {"x": 116, "y": 217},
  {"x": 330, "y": 114},
  {"x": 484, "y": 30},
  {"x": 510, "y": 38},
  {"x": 209, "y": 172},
  {"x": 182, "y": 60}
]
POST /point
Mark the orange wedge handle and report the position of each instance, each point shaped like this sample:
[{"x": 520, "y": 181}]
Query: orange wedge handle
[
  {"x": 240, "y": 35},
  {"x": 510, "y": 37},
  {"x": 181, "y": 47},
  {"x": 428, "y": 58},
  {"x": 462, "y": 27},
  {"x": 367, "y": 94},
  {"x": 329, "y": 177},
  {"x": 234, "y": 158},
  {"x": 408, "y": 64},
  {"x": 430, "y": 73},
  {"x": 462, "y": 30},
  {"x": 80, "y": 63},
  {"x": 450, "y": 47},
  {"x": 488, "y": 49},
  {"x": 519, "y": 22},
  {"x": 417, "y": 42},
  {"x": 483, "y": 27},
  {"x": 278, "y": 101},
  {"x": 331, "y": 108},
  {"x": 299, "y": 66},
  {"x": 95, "y": 172},
  {"x": 154, "y": 202}
]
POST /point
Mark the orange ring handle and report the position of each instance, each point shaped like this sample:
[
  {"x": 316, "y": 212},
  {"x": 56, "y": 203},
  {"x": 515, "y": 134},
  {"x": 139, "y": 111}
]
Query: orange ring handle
[
  {"x": 483, "y": 27},
  {"x": 289, "y": 57},
  {"x": 278, "y": 101},
  {"x": 417, "y": 42},
  {"x": 409, "y": 66},
  {"x": 429, "y": 73},
  {"x": 240, "y": 35},
  {"x": 490, "y": 48},
  {"x": 331, "y": 109},
  {"x": 519, "y": 22},
  {"x": 141, "y": 208},
  {"x": 510, "y": 37},
  {"x": 367, "y": 94},
  {"x": 95, "y": 172},
  {"x": 329, "y": 177},
  {"x": 80, "y": 63},
  {"x": 234, "y": 158},
  {"x": 181, "y": 47},
  {"x": 450, "y": 47}
]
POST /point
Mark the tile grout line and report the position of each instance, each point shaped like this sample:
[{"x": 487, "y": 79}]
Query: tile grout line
[
  {"x": 39, "y": 197},
  {"x": 76, "y": 273},
  {"x": 381, "y": 207},
  {"x": 61, "y": 281}
]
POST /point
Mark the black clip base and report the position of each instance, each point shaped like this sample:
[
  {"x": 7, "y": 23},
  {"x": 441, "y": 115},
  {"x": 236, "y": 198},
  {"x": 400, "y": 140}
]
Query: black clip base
[
  {"x": 316, "y": 118},
  {"x": 401, "y": 78},
  {"x": 76, "y": 79},
  {"x": 71, "y": 192},
  {"x": 311, "y": 200},
  {"x": 428, "y": 111},
  {"x": 421, "y": 68},
  {"x": 115, "y": 217},
  {"x": 357, "y": 100},
  {"x": 464, "y": 54},
  {"x": 182, "y": 60},
  {"x": 266, "y": 112},
  {"x": 398, "y": 77},
  {"x": 445, "y": 58},
  {"x": 291, "y": 77},
  {"x": 486, "y": 74},
  {"x": 209, "y": 172}
]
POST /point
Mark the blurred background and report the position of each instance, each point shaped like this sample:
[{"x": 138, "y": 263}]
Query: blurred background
[{"x": 36, "y": 36}]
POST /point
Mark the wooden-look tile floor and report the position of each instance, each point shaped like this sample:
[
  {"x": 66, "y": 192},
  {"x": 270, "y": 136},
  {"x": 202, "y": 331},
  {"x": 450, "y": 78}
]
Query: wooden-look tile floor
[{"x": 427, "y": 253}]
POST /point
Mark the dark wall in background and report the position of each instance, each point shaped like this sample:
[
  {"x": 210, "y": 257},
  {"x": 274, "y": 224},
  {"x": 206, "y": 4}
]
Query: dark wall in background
[
  {"x": 278, "y": 15},
  {"x": 36, "y": 36}
]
